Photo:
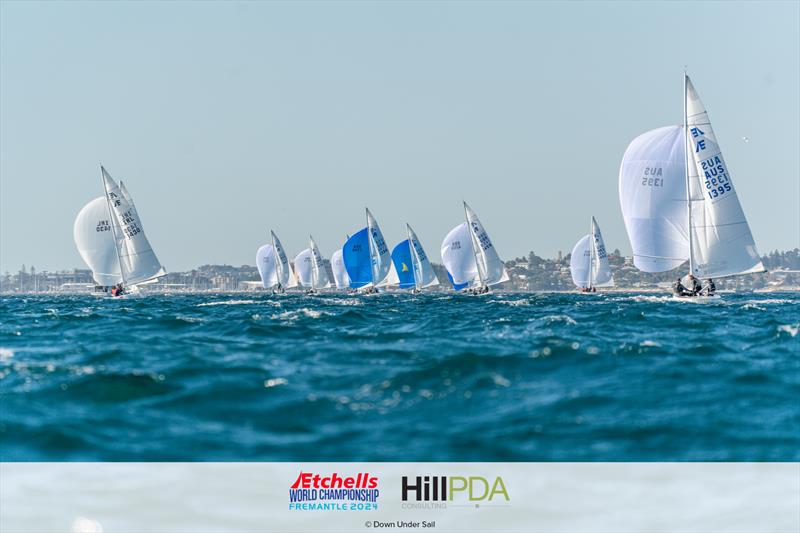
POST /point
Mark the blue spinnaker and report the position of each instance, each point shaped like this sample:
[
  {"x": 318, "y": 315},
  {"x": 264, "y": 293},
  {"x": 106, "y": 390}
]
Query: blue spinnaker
[
  {"x": 403, "y": 264},
  {"x": 456, "y": 286},
  {"x": 357, "y": 259}
]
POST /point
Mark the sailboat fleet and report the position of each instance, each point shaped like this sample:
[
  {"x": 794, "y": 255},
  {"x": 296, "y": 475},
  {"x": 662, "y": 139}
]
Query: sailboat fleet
[{"x": 676, "y": 196}]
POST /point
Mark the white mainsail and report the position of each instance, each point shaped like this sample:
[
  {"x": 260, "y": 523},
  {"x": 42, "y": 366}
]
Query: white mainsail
[
  {"x": 94, "y": 238},
  {"x": 137, "y": 259},
  {"x": 652, "y": 195},
  {"x": 722, "y": 244},
  {"x": 381, "y": 258},
  {"x": 458, "y": 256},
  {"x": 601, "y": 269},
  {"x": 424, "y": 276},
  {"x": 320, "y": 274},
  {"x": 267, "y": 269},
  {"x": 339, "y": 272},
  {"x": 490, "y": 268},
  {"x": 286, "y": 276}
]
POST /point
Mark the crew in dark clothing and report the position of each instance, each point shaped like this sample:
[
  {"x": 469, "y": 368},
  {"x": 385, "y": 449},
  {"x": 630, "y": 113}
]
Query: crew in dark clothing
[
  {"x": 710, "y": 287},
  {"x": 679, "y": 289},
  {"x": 696, "y": 287}
]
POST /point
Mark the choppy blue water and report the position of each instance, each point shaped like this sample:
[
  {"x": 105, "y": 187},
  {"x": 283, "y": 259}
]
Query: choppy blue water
[{"x": 539, "y": 377}]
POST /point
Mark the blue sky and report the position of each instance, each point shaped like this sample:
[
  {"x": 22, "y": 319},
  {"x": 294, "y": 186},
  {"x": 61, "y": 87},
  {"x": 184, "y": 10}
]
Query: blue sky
[{"x": 228, "y": 119}]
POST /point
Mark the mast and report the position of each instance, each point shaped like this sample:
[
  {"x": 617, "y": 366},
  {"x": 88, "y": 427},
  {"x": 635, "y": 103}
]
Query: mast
[
  {"x": 113, "y": 231},
  {"x": 372, "y": 252},
  {"x": 686, "y": 165},
  {"x": 474, "y": 248},
  {"x": 313, "y": 262},
  {"x": 413, "y": 257},
  {"x": 591, "y": 252},
  {"x": 277, "y": 259}
]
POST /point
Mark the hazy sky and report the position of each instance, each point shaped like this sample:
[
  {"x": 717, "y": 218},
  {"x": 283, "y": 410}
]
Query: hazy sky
[{"x": 226, "y": 120}]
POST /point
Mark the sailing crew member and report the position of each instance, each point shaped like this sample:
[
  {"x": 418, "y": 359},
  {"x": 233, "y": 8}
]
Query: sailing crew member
[
  {"x": 710, "y": 287},
  {"x": 679, "y": 289},
  {"x": 696, "y": 287}
]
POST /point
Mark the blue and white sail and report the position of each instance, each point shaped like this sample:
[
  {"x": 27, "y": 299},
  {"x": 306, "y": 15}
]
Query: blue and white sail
[
  {"x": 366, "y": 257},
  {"x": 411, "y": 264}
]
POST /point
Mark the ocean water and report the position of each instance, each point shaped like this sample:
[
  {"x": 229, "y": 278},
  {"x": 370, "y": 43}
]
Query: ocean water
[{"x": 440, "y": 377}]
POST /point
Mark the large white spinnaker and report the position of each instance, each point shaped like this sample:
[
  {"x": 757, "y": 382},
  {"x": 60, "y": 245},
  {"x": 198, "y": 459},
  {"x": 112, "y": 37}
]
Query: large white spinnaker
[
  {"x": 286, "y": 276},
  {"x": 722, "y": 244},
  {"x": 94, "y": 238},
  {"x": 424, "y": 276},
  {"x": 652, "y": 195},
  {"x": 303, "y": 268},
  {"x": 265, "y": 261},
  {"x": 458, "y": 257},
  {"x": 339, "y": 271},
  {"x": 580, "y": 262},
  {"x": 490, "y": 267},
  {"x": 137, "y": 259}
]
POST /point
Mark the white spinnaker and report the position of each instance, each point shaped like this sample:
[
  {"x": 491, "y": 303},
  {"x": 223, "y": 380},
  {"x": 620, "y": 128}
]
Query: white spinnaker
[
  {"x": 458, "y": 256},
  {"x": 286, "y": 274},
  {"x": 381, "y": 257},
  {"x": 423, "y": 271},
  {"x": 321, "y": 280},
  {"x": 492, "y": 269},
  {"x": 579, "y": 262},
  {"x": 391, "y": 279},
  {"x": 95, "y": 241},
  {"x": 339, "y": 272},
  {"x": 265, "y": 261},
  {"x": 652, "y": 195},
  {"x": 721, "y": 239},
  {"x": 139, "y": 261},
  {"x": 601, "y": 270},
  {"x": 303, "y": 267}
]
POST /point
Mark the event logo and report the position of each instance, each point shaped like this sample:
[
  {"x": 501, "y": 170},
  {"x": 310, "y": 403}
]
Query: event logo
[
  {"x": 458, "y": 490},
  {"x": 315, "y": 492}
]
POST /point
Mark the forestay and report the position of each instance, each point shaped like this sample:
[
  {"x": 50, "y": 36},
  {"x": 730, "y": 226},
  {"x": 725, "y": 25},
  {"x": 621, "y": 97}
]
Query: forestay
[
  {"x": 94, "y": 238},
  {"x": 721, "y": 239},
  {"x": 652, "y": 193}
]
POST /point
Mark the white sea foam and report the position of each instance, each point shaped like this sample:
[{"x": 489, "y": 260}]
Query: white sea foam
[
  {"x": 298, "y": 313},
  {"x": 6, "y": 354},
  {"x": 559, "y": 318},
  {"x": 649, "y": 343},
  {"x": 274, "y": 382},
  {"x": 791, "y": 329},
  {"x": 345, "y": 301},
  {"x": 227, "y": 302}
]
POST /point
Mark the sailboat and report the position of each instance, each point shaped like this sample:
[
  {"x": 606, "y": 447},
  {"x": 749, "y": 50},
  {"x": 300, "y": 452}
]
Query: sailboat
[
  {"x": 274, "y": 267},
  {"x": 470, "y": 257},
  {"x": 366, "y": 257},
  {"x": 110, "y": 238},
  {"x": 588, "y": 262},
  {"x": 680, "y": 207},
  {"x": 340, "y": 276},
  {"x": 310, "y": 268},
  {"x": 410, "y": 264}
]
